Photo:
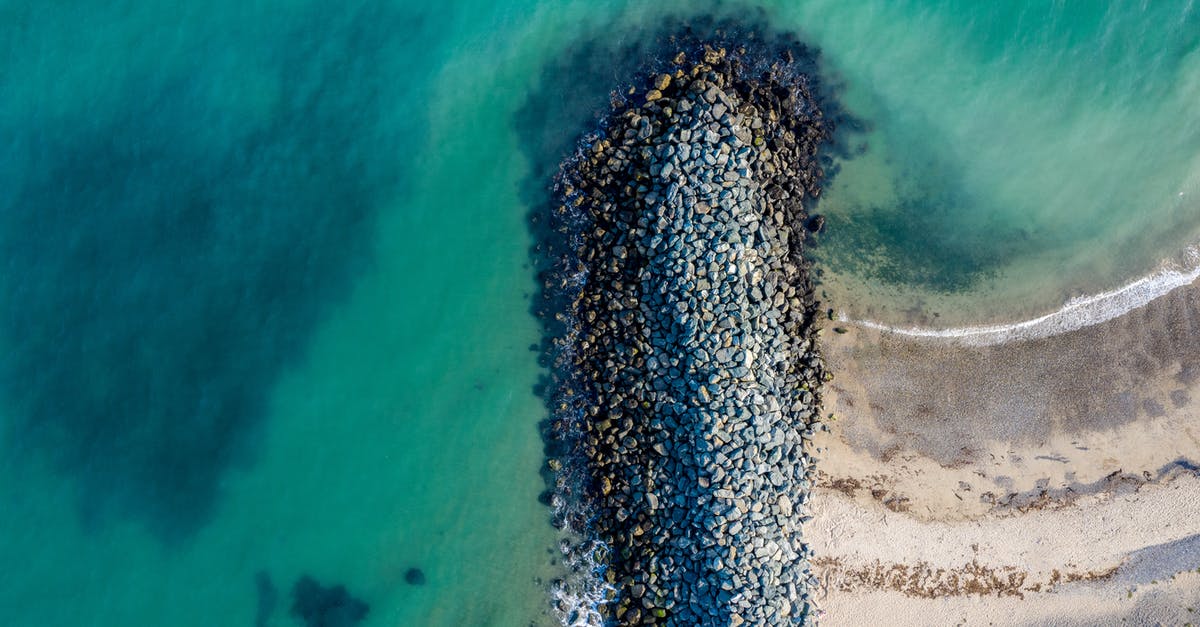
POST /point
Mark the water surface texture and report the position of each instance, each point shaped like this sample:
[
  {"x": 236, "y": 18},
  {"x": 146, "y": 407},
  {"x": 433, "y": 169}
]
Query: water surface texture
[
  {"x": 1018, "y": 154},
  {"x": 266, "y": 271}
]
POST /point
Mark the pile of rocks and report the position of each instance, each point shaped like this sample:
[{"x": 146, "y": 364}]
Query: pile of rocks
[{"x": 688, "y": 377}]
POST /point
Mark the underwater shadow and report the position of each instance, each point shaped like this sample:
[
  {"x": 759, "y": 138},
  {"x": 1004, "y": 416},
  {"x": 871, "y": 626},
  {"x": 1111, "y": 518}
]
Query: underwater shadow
[{"x": 159, "y": 286}]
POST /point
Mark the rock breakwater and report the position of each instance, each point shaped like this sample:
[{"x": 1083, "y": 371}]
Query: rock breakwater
[{"x": 686, "y": 373}]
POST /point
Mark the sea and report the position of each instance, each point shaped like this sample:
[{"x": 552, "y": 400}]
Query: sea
[{"x": 267, "y": 275}]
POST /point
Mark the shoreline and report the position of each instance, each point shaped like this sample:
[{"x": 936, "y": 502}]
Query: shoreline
[
  {"x": 1076, "y": 313},
  {"x": 955, "y": 439},
  {"x": 1050, "y": 475}
]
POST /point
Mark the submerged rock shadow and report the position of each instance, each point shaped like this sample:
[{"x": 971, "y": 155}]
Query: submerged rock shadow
[
  {"x": 158, "y": 286},
  {"x": 326, "y": 606}
]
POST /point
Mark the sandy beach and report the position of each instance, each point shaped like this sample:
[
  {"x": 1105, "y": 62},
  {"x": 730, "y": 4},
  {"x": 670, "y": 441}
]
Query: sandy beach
[{"x": 1044, "y": 481}]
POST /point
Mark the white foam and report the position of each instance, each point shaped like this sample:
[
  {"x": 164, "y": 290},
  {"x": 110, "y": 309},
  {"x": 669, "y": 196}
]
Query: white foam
[
  {"x": 577, "y": 600},
  {"x": 1077, "y": 313}
]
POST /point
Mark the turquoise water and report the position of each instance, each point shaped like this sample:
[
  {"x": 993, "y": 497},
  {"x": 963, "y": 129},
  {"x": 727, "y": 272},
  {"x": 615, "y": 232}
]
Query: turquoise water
[
  {"x": 1018, "y": 154},
  {"x": 266, "y": 276}
]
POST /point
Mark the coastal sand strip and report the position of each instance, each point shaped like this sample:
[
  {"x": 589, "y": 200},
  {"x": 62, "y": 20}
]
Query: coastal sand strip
[
  {"x": 1089, "y": 541},
  {"x": 1043, "y": 481},
  {"x": 1043, "y": 569},
  {"x": 948, "y": 402}
]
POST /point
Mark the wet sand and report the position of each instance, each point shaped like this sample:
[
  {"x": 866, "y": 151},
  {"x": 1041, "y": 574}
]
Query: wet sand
[{"x": 1042, "y": 481}]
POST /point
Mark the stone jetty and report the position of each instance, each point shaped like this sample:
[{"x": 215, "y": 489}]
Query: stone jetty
[{"x": 687, "y": 376}]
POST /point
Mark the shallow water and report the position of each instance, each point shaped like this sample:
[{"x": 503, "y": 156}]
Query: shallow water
[
  {"x": 266, "y": 270},
  {"x": 1017, "y": 154}
]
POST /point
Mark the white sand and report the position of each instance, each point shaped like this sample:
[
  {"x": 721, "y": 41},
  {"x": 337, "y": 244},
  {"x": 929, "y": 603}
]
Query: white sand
[{"x": 1045, "y": 481}]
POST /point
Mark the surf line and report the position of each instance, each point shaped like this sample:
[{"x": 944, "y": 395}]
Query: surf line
[{"x": 1077, "y": 313}]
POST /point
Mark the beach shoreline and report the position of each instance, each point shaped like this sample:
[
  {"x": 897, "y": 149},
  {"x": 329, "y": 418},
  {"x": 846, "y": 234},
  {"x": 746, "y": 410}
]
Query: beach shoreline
[
  {"x": 1077, "y": 313},
  {"x": 1031, "y": 480}
]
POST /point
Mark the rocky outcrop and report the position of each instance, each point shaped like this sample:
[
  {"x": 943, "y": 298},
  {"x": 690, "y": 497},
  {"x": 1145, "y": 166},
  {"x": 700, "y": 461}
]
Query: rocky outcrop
[{"x": 687, "y": 376}]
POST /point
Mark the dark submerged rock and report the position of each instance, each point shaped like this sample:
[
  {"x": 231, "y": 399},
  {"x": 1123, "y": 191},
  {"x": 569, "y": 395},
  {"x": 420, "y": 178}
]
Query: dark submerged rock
[
  {"x": 414, "y": 577},
  {"x": 320, "y": 606},
  {"x": 268, "y": 598}
]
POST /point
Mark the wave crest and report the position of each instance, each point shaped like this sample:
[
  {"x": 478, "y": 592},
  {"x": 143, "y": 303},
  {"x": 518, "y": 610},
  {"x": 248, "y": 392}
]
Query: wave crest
[{"x": 1076, "y": 314}]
